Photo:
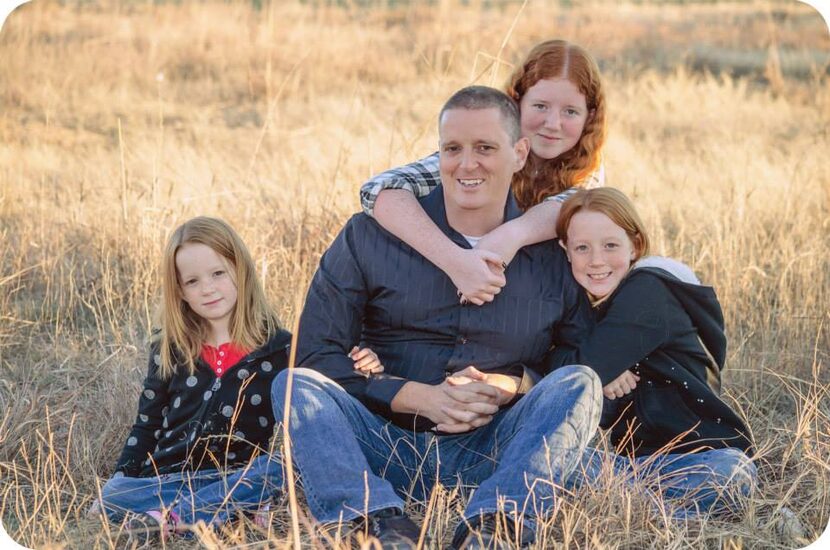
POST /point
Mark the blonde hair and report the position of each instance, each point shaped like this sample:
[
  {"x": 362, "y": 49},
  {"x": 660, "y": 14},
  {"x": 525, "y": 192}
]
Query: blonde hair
[
  {"x": 540, "y": 177},
  {"x": 183, "y": 332},
  {"x": 614, "y": 204}
]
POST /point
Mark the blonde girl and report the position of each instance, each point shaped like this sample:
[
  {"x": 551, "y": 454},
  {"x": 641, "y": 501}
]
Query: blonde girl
[{"x": 199, "y": 447}]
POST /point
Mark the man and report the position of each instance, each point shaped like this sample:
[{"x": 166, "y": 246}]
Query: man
[{"x": 457, "y": 402}]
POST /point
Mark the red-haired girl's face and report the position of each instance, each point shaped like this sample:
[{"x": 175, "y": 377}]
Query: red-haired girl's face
[
  {"x": 600, "y": 252},
  {"x": 554, "y": 114}
]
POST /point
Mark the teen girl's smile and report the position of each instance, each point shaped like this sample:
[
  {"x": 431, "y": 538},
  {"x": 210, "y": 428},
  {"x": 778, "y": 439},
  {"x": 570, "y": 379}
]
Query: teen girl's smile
[
  {"x": 600, "y": 252},
  {"x": 553, "y": 113}
]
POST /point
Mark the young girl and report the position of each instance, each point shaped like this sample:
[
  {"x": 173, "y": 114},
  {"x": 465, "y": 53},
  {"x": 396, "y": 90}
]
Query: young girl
[
  {"x": 199, "y": 448},
  {"x": 658, "y": 345},
  {"x": 562, "y": 104}
]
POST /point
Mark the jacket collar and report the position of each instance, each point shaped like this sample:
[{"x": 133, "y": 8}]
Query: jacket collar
[{"x": 433, "y": 204}]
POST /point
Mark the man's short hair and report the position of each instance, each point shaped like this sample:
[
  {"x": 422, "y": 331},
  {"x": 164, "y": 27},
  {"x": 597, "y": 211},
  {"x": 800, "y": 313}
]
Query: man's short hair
[{"x": 484, "y": 97}]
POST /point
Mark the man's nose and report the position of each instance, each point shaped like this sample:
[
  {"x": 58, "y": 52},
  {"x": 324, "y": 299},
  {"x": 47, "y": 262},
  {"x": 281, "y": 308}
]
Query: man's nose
[{"x": 468, "y": 160}]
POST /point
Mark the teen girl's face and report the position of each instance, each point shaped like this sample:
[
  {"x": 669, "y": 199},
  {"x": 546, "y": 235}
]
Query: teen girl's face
[
  {"x": 554, "y": 114},
  {"x": 206, "y": 283},
  {"x": 600, "y": 252}
]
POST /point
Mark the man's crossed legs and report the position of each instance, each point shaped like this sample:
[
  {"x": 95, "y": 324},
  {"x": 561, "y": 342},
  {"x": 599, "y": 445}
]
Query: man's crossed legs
[{"x": 353, "y": 462}]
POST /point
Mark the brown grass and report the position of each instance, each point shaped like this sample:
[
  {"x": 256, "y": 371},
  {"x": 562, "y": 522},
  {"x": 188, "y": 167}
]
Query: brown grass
[{"x": 118, "y": 121}]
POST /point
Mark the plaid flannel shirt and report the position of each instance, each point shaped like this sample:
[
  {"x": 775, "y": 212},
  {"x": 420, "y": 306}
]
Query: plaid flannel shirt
[{"x": 422, "y": 176}]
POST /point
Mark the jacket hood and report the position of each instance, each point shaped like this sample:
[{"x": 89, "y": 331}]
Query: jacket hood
[{"x": 699, "y": 301}]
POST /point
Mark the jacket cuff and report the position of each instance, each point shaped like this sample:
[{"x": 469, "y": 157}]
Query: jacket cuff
[{"x": 379, "y": 393}]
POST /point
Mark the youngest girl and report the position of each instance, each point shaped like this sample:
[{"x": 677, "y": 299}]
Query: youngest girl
[
  {"x": 658, "y": 345},
  {"x": 198, "y": 450}
]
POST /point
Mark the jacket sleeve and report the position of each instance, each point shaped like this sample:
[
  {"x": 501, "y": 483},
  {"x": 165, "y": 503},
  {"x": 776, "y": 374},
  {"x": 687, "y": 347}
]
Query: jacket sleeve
[
  {"x": 142, "y": 437},
  {"x": 573, "y": 327},
  {"x": 638, "y": 321},
  {"x": 420, "y": 177},
  {"x": 332, "y": 318}
]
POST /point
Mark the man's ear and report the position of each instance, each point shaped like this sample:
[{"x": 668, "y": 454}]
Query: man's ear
[{"x": 522, "y": 149}]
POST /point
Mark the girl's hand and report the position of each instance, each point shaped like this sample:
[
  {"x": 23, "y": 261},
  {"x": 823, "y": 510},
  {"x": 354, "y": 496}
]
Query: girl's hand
[
  {"x": 478, "y": 275},
  {"x": 621, "y": 385},
  {"x": 366, "y": 361}
]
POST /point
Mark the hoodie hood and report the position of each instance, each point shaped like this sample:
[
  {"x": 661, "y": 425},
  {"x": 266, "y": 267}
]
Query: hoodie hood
[{"x": 700, "y": 302}]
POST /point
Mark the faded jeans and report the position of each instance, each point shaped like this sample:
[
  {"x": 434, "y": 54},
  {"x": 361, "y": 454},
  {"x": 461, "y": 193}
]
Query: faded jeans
[
  {"x": 713, "y": 482},
  {"x": 203, "y": 495},
  {"x": 353, "y": 462}
]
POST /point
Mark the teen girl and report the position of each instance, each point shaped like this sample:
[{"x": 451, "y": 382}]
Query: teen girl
[
  {"x": 562, "y": 103},
  {"x": 199, "y": 448},
  {"x": 658, "y": 345}
]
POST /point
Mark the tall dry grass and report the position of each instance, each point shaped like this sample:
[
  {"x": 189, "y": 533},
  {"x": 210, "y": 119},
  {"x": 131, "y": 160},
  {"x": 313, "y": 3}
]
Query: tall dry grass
[{"x": 120, "y": 120}]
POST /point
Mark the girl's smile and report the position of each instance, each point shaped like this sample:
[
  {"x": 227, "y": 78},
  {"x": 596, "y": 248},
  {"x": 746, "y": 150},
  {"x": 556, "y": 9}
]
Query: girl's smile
[
  {"x": 206, "y": 284},
  {"x": 600, "y": 252}
]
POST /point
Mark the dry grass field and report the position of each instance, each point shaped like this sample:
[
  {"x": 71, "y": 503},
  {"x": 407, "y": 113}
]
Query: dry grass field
[{"x": 118, "y": 120}]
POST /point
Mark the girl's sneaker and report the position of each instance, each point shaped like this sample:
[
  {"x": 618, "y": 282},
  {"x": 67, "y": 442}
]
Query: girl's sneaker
[
  {"x": 262, "y": 517},
  {"x": 151, "y": 526}
]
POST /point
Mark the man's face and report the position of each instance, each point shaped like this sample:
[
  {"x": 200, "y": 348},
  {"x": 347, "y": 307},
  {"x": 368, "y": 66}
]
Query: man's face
[{"x": 477, "y": 158}]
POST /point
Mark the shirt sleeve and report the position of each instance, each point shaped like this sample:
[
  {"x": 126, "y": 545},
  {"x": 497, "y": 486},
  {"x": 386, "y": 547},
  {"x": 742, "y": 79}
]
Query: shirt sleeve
[
  {"x": 419, "y": 177},
  {"x": 332, "y": 318},
  {"x": 637, "y": 322},
  {"x": 142, "y": 437}
]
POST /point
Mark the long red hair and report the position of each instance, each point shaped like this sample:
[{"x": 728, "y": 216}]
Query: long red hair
[{"x": 540, "y": 177}]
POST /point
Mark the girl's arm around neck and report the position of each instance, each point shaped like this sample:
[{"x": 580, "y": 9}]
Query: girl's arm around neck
[{"x": 476, "y": 273}]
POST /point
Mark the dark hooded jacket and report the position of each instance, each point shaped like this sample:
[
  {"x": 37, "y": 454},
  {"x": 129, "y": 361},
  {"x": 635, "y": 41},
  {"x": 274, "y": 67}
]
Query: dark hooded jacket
[
  {"x": 199, "y": 421},
  {"x": 666, "y": 327}
]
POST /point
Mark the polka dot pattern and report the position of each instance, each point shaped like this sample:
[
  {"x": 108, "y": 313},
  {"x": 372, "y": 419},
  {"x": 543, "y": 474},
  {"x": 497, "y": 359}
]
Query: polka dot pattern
[
  {"x": 157, "y": 360},
  {"x": 191, "y": 381},
  {"x": 177, "y": 402},
  {"x": 149, "y": 394},
  {"x": 132, "y": 441},
  {"x": 263, "y": 421},
  {"x": 267, "y": 366},
  {"x": 256, "y": 399},
  {"x": 243, "y": 374},
  {"x": 207, "y": 395},
  {"x": 227, "y": 411},
  {"x": 143, "y": 417}
]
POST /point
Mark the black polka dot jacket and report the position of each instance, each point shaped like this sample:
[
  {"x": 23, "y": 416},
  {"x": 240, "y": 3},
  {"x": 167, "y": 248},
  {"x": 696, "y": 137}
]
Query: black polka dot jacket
[
  {"x": 199, "y": 421},
  {"x": 664, "y": 326}
]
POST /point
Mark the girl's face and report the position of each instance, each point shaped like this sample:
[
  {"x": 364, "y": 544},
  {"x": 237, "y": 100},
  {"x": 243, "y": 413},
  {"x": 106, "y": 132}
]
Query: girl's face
[
  {"x": 206, "y": 283},
  {"x": 600, "y": 252},
  {"x": 554, "y": 113}
]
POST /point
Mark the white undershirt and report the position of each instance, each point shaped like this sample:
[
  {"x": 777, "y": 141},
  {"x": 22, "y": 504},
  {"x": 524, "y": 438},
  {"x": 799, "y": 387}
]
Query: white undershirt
[{"x": 472, "y": 240}]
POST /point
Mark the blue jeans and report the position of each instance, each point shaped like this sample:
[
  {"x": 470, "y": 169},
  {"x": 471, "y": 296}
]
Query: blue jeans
[
  {"x": 203, "y": 495},
  {"x": 710, "y": 482},
  {"x": 354, "y": 462}
]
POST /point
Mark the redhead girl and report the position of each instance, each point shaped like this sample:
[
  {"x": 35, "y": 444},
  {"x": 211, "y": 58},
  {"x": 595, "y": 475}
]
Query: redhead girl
[
  {"x": 199, "y": 447},
  {"x": 562, "y": 102},
  {"x": 658, "y": 345}
]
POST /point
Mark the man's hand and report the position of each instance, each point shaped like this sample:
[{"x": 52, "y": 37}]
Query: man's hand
[
  {"x": 453, "y": 408},
  {"x": 507, "y": 386},
  {"x": 500, "y": 390},
  {"x": 621, "y": 385},
  {"x": 478, "y": 275}
]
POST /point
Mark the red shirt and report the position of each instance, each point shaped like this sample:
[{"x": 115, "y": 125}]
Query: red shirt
[{"x": 222, "y": 358}]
